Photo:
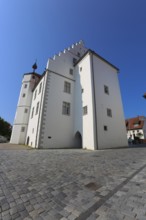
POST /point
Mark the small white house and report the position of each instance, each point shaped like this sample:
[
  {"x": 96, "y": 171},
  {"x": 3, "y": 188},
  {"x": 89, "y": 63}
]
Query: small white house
[
  {"x": 75, "y": 103},
  {"x": 136, "y": 127}
]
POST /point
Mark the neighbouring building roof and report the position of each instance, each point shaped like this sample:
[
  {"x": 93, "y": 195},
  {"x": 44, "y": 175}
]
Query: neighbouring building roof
[{"x": 135, "y": 123}]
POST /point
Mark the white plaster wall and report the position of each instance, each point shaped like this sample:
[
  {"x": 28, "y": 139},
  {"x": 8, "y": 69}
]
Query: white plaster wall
[
  {"x": 34, "y": 123},
  {"x": 62, "y": 62},
  {"x": 21, "y": 118},
  {"x": 131, "y": 132},
  {"x": 15, "y": 136},
  {"x": 105, "y": 74},
  {"x": 18, "y": 137},
  {"x": 56, "y": 125},
  {"x": 87, "y": 121}
]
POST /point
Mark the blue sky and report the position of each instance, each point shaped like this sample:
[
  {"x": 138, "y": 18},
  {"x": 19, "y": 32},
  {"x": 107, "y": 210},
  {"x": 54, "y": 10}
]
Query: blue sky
[{"x": 38, "y": 29}]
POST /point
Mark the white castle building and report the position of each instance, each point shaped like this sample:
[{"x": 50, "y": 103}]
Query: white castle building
[{"x": 75, "y": 103}]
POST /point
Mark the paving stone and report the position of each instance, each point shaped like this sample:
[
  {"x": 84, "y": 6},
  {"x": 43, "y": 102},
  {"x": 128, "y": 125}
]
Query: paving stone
[
  {"x": 47, "y": 184},
  {"x": 15, "y": 216},
  {"x": 7, "y": 217}
]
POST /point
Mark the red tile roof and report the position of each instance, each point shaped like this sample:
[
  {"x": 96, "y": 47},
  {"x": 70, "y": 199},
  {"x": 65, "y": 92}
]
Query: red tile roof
[{"x": 135, "y": 123}]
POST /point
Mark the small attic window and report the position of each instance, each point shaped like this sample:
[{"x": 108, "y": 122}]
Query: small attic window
[
  {"x": 137, "y": 123},
  {"x": 74, "y": 60},
  {"x": 78, "y": 54}
]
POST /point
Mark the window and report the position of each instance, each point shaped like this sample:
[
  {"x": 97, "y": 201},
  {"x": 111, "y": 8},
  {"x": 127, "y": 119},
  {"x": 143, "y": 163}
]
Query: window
[
  {"x": 32, "y": 112},
  {"x": 109, "y": 112},
  {"x": 85, "y": 110},
  {"x": 74, "y": 60},
  {"x": 25, "y": 86},
  {"x": 105, "y": 128},
  {"x": 35, "y": 94},
  {"x": 26, "y": 110},
  {"x": 67, "y": 87},
  {"x": 66, "y": 108},
  {"x": 40, "y": 88},
  {"x": 106, "y": 90},
  {"x": 136, "y": 124},
  {"x": 71, "y": 71},
  {"x": 37, "y": 108},
  {"x": 82, "y": 90},
  {"x": 22, "y": 129},
  {"x": 32, "y": 130},
  {"x": 78, "y": 54},
  {"x": 80, "y": 69},
  {"x": 23, "y": 95},
  {"x": 33, "y": 77}
]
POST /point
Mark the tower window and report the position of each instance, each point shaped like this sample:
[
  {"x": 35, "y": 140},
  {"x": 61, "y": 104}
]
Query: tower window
[
  {"x": 80, "y": 69},
  {"x": 37, "y": 108},
  {"x": 71, "y": 71},
  {"x": 32, "y": 112},
  {"x": 25, "y": 86},
  {"x": 26, "y": 110},
  {"x": 23, "y": 95},
  {"x": 35, "y": 94},
  {"x": 66, "y": 108},
  {"x": 67, "y": 87},
  {"x": 22, "y": 129},
  {"x": 85, "y": 110},
  {"x": 106, "y": 90},
  {"x": 105, "y": 127},
  {"x": 40, "y": 88},
  {"x": 109, "y": 112}
]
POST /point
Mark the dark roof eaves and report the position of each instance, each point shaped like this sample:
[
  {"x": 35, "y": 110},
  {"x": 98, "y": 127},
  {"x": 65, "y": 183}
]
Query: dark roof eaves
[
  {"x": 36, "y": 74},
  {"x": 82, "y": 57},
  {"x": 93, "y": 52},
  {"x": 105, "y": 60},
  {"x": 41, "y": 76}
]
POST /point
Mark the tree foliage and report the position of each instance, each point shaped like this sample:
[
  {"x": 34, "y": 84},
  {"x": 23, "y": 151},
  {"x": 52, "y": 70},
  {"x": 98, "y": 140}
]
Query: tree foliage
[{"x": 5, "y": 128}]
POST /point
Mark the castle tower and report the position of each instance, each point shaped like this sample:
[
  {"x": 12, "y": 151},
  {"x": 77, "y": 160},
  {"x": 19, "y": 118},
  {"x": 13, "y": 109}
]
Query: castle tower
[{"x": 23, "y": 108}]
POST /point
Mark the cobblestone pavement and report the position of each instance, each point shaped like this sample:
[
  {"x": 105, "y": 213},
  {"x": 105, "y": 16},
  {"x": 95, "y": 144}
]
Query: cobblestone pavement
[{"x": 72, "y": 184}]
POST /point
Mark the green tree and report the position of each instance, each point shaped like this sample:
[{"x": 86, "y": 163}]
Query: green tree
[{"x": 5, "y": 128}]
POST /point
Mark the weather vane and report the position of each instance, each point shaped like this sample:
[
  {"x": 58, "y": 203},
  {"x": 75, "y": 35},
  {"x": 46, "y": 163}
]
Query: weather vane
[{"x": 34, "y": 66}]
